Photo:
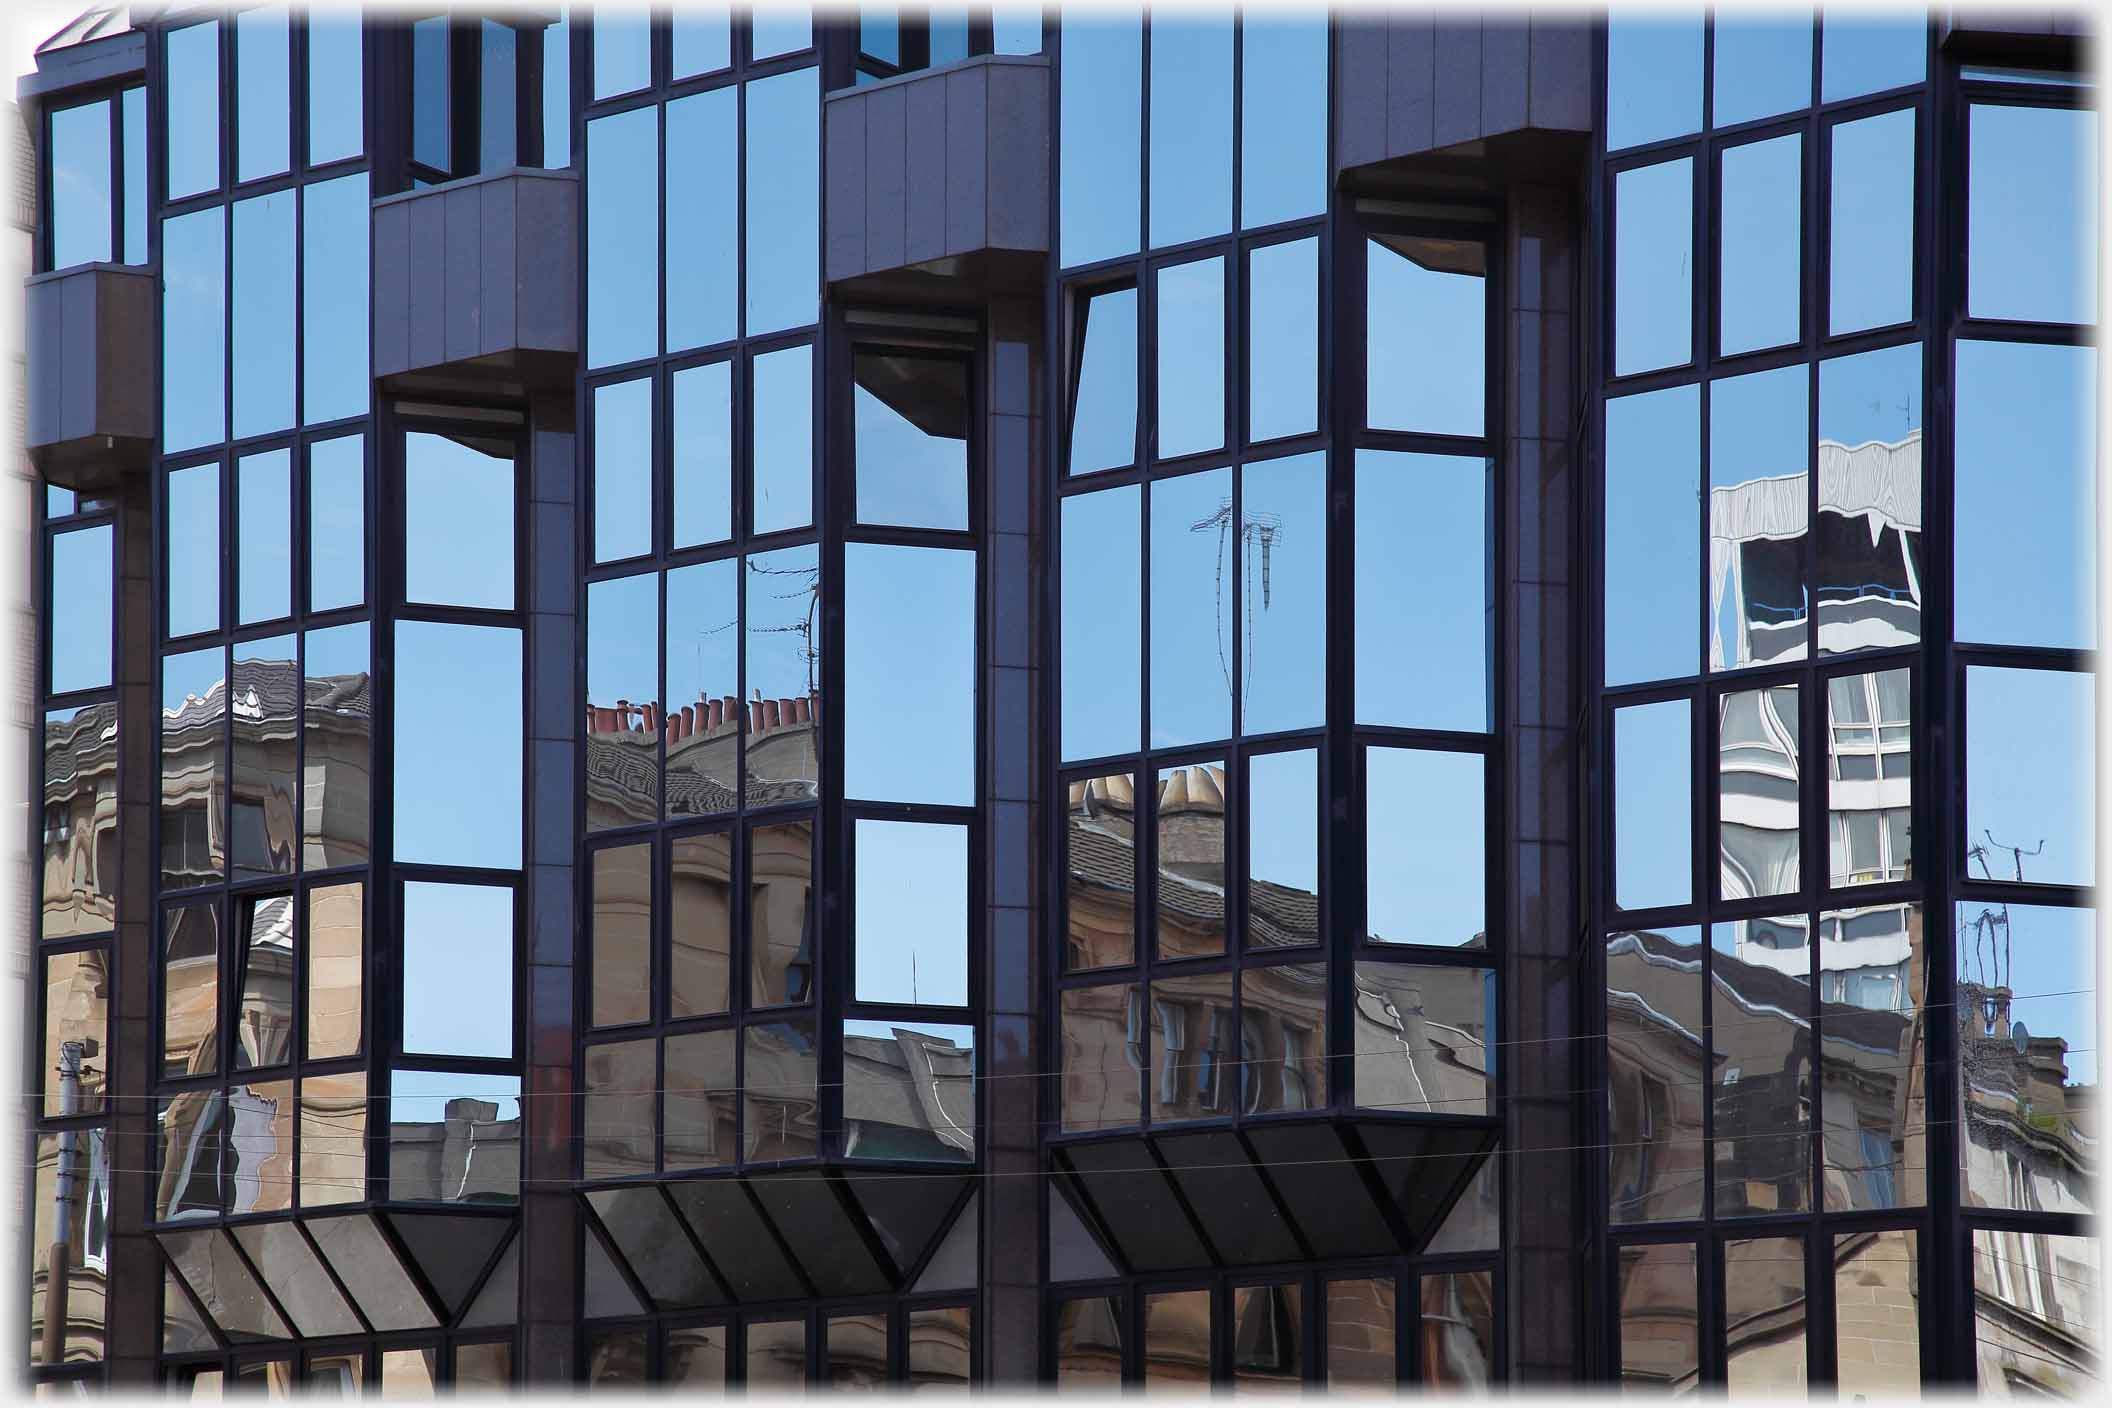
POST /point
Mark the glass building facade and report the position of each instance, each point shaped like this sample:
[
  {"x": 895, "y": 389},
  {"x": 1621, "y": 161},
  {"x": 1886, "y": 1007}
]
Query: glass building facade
[{"x": 902, "y": 697}]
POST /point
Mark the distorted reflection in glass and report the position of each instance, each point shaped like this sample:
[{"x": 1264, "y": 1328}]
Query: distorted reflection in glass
[
  {"x": 335, "y": 371},
  {"x": 454, "y": 1137},
  {"x": 623, "y": 52},
  {"x": 1759, "y": 512},
  {"x": 1657, "y": 1290},
  {"x": 2025, "y": 450},
  {"x": 1870, "y": 777},
  {"x": 2027, "y": 1052},
  {"x": 782, "y": 257},
  {"x": 1653, "y": 804},
  {"x": 1653, "y": 75},
  {"x": 910, "y": 419},
  {"x": 1283, "y": 849},
  {"x": 1283, "y": 593},
  {"x": 703, "y": 159},
  {"x": 909, "y": 733},
  {"x": 1100, "y": 873},
  {"x": 623, "y": 469},
  {"x": 457, "y": 969},
  {"x": 1190, "y": 850},
  {"x": 1760, "y": 245},
  {"x": 781, "y": 914},
  {"x": 2037, "y": 1307},
  {"x": 623, "y": 230},
  {"x": 193, "y": 768},
  {"x": 1762, "y": 63},
  {"x": 1760, "y": 1064},
  {"x": 623, "y": 717},
  {"x": 288, "y": 1265},
  {"x": 701, "y": 1090},
  {"x": 616, "y": 1360},
  {"x": 262, "y": 822},
  {"x": 262, "y": 314},
  {"x": 617, "y": 1101},
  {"x": 194, "y": 325},
  {"x": 1190, "y": 388},
  {"x": 1177, "y": 1339},
  {"x": 908, "y": 1091},
  {"x": 1192, "y": 555},
  {"x": 1868, "y": 592},
  {"x": 856, "y": 1350},
  {"x": 333, "y": 1135},
  {"x": 1103, "y": 1035},
  {"x": 1873, "y": 1095},
  {"x": 1872, "y": 51},
  {"x": 1757, "y": 757},
  {"x": 192, "y": 58},
  {"x": 263, "y": 529},
  {"x": 1102, "y": 629},
  {"x": 1100, "y": 104},
  {"x": 1360, "y": 1335},
  {"x": 1283, "y": 1038},
  {"x": 1425, "y": 880},
  {"x": 336, "y": 84},
  {"x": 1104, "y": 399},
  {"x": 1877, "y": 1313},
  {"x": 337, "y": 522},
  {"x": 79, "y": 160},
  {"x": 1654, "y": 1087},
  {"x": 1872, "y": 223},
  {"x": 1653, "y": 267},
  {"x": 911, "y": 939},
  {"x": 337, "y": 951},
  {"x": 2030, "y": 756},
  {"x": 1191, "y": 125},
  {"x": 259, "y": 1177},
  {"x": 621, "y": 939},
  {"x": 1764, "y": 1307},
  {"x": 703, "y": 688},
  {"x": 458, "y": 723},
  {"x": 782, "y": 430},
  {"x": 700, "y": 39},
  {"x": 191, "y": 556},
  {"x": 1653, "y": 476},
  {"x": 940, "y": 1350},
  {"x": 458, "y": 517},
  {"x": 1282, "y": 118},
  {"x": 776, "y": 1355},
  {"x": 79, "y": 858},
  {"x": 778, "y": 1079},
  {"x": 700, "y": 924},
  {"x": 782, "y": 648},
  {"x": 1425, "y": 330},
  {"x": 337, "y": 746},
  {"x": 1422, "y": 1036},
  {"x": 190, "y": 990},
  {"x": 1458, "y": 1323},
  {"x": 701, "y": 456},
  {"x": 1424, "y": 595},
  {"x": 2031, "y": 233},
  {"x": 1283, "y": 339}
]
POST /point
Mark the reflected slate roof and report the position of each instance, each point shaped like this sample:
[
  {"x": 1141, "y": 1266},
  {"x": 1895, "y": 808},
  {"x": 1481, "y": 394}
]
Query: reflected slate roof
[
  {"x": 267, "y": 689},
  {"x": 84, "y": 744}
]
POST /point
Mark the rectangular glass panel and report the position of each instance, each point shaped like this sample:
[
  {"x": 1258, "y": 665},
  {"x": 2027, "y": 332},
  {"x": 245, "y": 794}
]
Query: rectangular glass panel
[
  {"x": 703, "y": 688},
  {"x": 2036, "y": 1322},
  {"x": 1425, "y": 596},
  {"x": 1101, "y": 107},
  {"x": 1192, "y": 1048},
  {"x": 1871, "y": 51},
  {"x": 623, "y": 52},
  {"x": 1761, "y": 273},
  {"x": 435, "y": 1114},
  {"x": 1177, "y": 1336},
  {"x": 76, "y": 1038},
  {"x": 1283, "y": 850},
  {"x": 1422, "y": 1038},
  {"x": 1089, "y": 1344},
  {"x": 909, "y": 1091},
  {"x": 1877, "y": 1313},
  {"x": 133, "y": 115},
  {"x": 82, "y": 607},
  {"x": 1360, "y": 1334},
  {"x": 1283, "y": 576},
  {"x": 1283, "y": 339},
  {"x": 263, "y": 536},
  {"x": 1653, "y": 804},
  {"x": 260, "y": 1123},
  {"x": 622, "y": 939},
  {"x": 1658, "y": 1292},
  {"x": 263, "y": 83},
  {"x": 337, "y": 742},
  {"x": 193, "y": 135},
  {"x": 617, "y": 1104},
  {"x": 780, "y": 29},
  {"x": 262, "y": 320},
  {"x": 1426, "y": 878},
  {"x": 1763, "y": 63},
  {"x": 194, "y": 327},
  {"x": 2029, "y": 760},
  {"x": 782, "y": 425},
  {"x": 1870, "y": 777},
  {"x": 1283, "y": 1038},
  {"x": 485, "y": 1368},
  {"x": 623, "y": 469},
  {"x": 1763, "y": 1313},
  {"x": 910, "y": 418},
  {"x": 191, "y": 506},
  {"x": 940, "y": 1348},
  {"x": 2031, "y": 232},
  {"x": 783, "y": 200},
  {"x": 1191, "y": 609},
  {"x": 1653, "y": 267},
  {"x": 1872, "y": 223},
  {"x": 1458, "y": 1325},
  {"x": 617, "y": 1360},
  {"x": 778, "y": 1078},
  {"x": 1759, "y": 847},
  {"x": 1652, "y": 562},
  {"x": 337, "y": 957},
  {"x": 911, "y": 938},
  {"x": 1417, "y": 379},
  {"x": 700, "y": 924},
  {"x": 1873, "y": 1097},
  {"x": 1103, "y": 1056},
  {"x": 623, "y": 225},
  {"x": 333, "y": 1139},
  {"x": 857, "y": 1352},
  {"x": 336, "y": 86},
  {"x": 909, "y": 733},
  {"x": 1191, "y": 125},
  {"x": 1653, "y": 75},
  {"x": 1104, "y": 400},
  {"x": 700, "y": 39},
  {"x": 431, "y": 94},
  {"x": 1100, "y": 860},
  {"x": 1102, "y": 629},
  {"x": 781, "y": 649},
  {"x": 1190, "y": 389},
  {"x": 557, "y": 92},
  {"x": 781, "y": 914},
  {"x": 80, "y": 852},
  {"x": 1759, "y": 516},
  {"x": 458, "y": 978},
  {"x": 1868, "y": 592},
  {"x": 701, "y": 428},
  {"x": 701, "y": 1090},
  {"x": 337, "y": 523},
  {"x": 1189, "y": 887},
  {"x": 497, "y": 124},
  {"x": 458, "y": 516},
  {"x": 777, "y": 1354},
  {"x": 1282, "y": 118},
  {"x": 1654, "y": 1086},
  {"x": 69, "y": 1231},
  {"x": 335, "y": 373},
  {"x": 703, "y": 157},
  {"x": 264, "y": 947},
  {"x": 1760, "y": 1064},
  {"x": 79, "y": 162},
  {"x": 458, "y": 716},
  {"x": 193, "y": 767}
]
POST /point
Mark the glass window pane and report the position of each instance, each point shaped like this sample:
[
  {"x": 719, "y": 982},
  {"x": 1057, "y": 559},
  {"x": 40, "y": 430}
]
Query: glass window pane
[
  {"x": 337, "y": 523},
  {"x": 193, "y": 767},
  {"x": 622, "y": 939},
  {"x": 1423, "y": 534},
  {"x": 2036, "y": 1313},
  {"x": 557, "y": 92},
  {"x": 431, "y": 85},
  {"x": 1877, "y": 1343},
  {"x": 1653, "y": 267},
  {"x": 778, "y": 1077},
  {"x": 80, "y": 853},
  {"x": 1089, "y": 1334},
  {"x": 336, "y": 86},
  {"x": 616, "y": 1360},
  {"x": 909, "y": 734},
  {"x": 2031, "y": 232},
  {"x": 1421, "y": 1038},
  {"x": 1868, "y": 591},
  {"x": 700, "y": 924},
  {"x": 81, "y": 609},
  {"x": 263, "y": 314},
  {"x": 194, "y": 329},
  {"x": 1653, "y": 792},
  {"x": 265, "y": 797},
  {"x": 1653, "y": 476},
  {"x": 1757, "y": 792},
  {"x": 701, "y": 1089},
  {"x": 1760, "y": 1065},
  {"x": 76, "y": 1044},
  {"x": 431, "y": 1112},
  {"x": 623, "y": 712},
  {"x": 1191, "y": 609},
  {"x": 1869, "y": 51},
  {"x": 1103, "y": 1056},
  {"x": 190, "y": 990},
  {"x": 1873, "y": 223},
  {"x": 911, "y": 939},
  {"x": 623, "y": 52},
  {"x": 1104, "y": 401},
  {"x": 458, "y": 969},
  {"x": 1872, "y": 1040},
  {"x": 1762, "y": 271},
  {"x": 1759, "y": 512},
  {"x": 781, "y": 914},
  {"x": 1657, "y": 1289},
  {"x": 1458, "y": 1321},
  {"x": 458, "y": 716},
  {"x": 1282, "y": 1056},
  {"x": 701, "y": 427},
  {"x": 948, "y": 33},
  {"x": 703, "y": 157},
  {"x": 1101, "y": 623},
  {"x": 1283, "y": 849},
  {"x": 1426, "y": 315},
  {"x": 193, "y": 98},
  {"x": 1177, "y": 1336},
  {"x": 1763, "y": 63},
  {"x": 134, "y": 116},
  {"x": 1283, "y": 340},
  {"x": 458, "y": 516},
  {"x": 780, "y": 29},
  {"x": 940, "y": 1348},
  {"x": 623, "y": 248},
  {"x": 497, "y": 125},
  {"x": 777, "y": 1354},
  {"x": 337, "y": 739},
  {"x": 335, "y": 373},
  {"x": 263, "y": 536},
  {"x": 1360, "y": 1334},
  {"x": 783, "y": 200},
  {"x": 782, "y": 422},
  {"x": 1191, "y": 1044},
  {"x": 2026, "y": 452},
  {"x": 288, "y": 1266},
  {"x": 703, "y": 688},
  {"x": 1653, "y": 75},
  {"x": 262, "y": 92},
  {"x": 191, "y": 504},
  {"x": 1283, "y": 118},
  {"x": 1190, "y": 851},
  {"x": 1100, "y": 103},
  {"x": 909, "y": 1091},
  {"x": 617, "y": 1102},
  {"x": 1016, "y": 28},
  {"x": 1763, "y": 1314},
  {"x": 1100, "y": 873},
  {"x": 910, "y": 419},
  {"x": 623, "y": 469},
  {"x": 1870, "y": 777},
  {"x": 80, "y": 184},
  {"x": 1191, "y": 373},
  {"x": 700, "y": 38},
  {"x": 2029, "y": 763},
  {"x": 1425, "y": 873},
  {"x": 1191, "y": 125},
  {"x": 857, "y": 1348},
  {"x": 1654, "y": 1088},
  {"x": 782, "y": 649},
  {"x": 1283, "y": 584},
  {"x": 880, "y": 32},
  {"x": 336, "y": 969}
]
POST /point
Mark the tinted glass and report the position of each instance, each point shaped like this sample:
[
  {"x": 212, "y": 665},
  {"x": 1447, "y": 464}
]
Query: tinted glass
[
  {"x": 1871, "y": 51},
  {"x": 194, "y": 329},
  {"x": 1104, "y": 400},
  {"x": 1283, "y": 1038},
  {"x": 703, "y": 156},
  {"x": 263, "y": 316},
  {"x": 224, "y": 1286},
  {"x": 430, "y": 87},
  {"x": 941, "y": 1347},
  {"x": 262, "y": 98},
  {"x": 193, "y": 55},
  {"x": 700, "y": 1099},
  {"x": 1016, "y": 28},
  {"x": 1760, "y": 1067},
  {"x": 783, "y": 201},
  {"x": 1872, "y": 222},
  {"x": 1191, "y": 125},
  {"x": 2029, "y": 761},
  {"x": 262, "y": 837},
  {"x": 333, "y": 1135},
  {"x": 700, "y": 924},
  {"x": 912, "y": 940},
  {"x": 1283, "y": 339},
  {"x": 263, "y": 534},
  {"x": 1653, "y": 546},
  {"x": 1654, "y": 1090},
  {"x": 1425, "y": 878},
  {"x": 1283, "y": 849},
  {"x": 1878, "y": 1350},
  {"x": 1458, "y": 1321},
  {"x": 1189, "y": 888},
  {"x": 1761, "y": 275},
  {"x": 2049, "y": 1283},
  {"x": 1283, "y": 577},
  {"x": 778, "y": 1077},
  {"x": 783, "y": 644},
  {"x": 908, "y": 1093},
  {"x": 421, "y": 1104},
  {"x": 1359, "y": 1316},
  {"x": 289, "y": 1267},
  {"x": 1417, "y": 378},
  {"x": 458, "y": 517},
  {"x": 134, "y": 115},
  {"x": 623, "y": 52},
  {"x": 1764, "y": 1304},
  {"x": 457, "y": 969},
  {"x": 1191, "y": 371},
  {"x": 193, "y": 561},
  {"x": 1757, "y": 792},
  {"x": 623, "y": 691},
  {"x": 1103, "y": 1057},
  {"x": 334, "y": 368},
  {"x": 80, "y": 859},
  {"x": 623, "y": 247},
  {"x": 337, "y": 523},
  {"x": 1422, "y": 537},
  {"x": 1870, "y": 777},
  {"x": 1868, "y": 591},
  {"x": 458, "y": 717},
  {"x": 2025, "y": 448},
  {"x": 623, "y": 469},
  {"x": 1177, "y": 1338},
  {"x": 193, "y": 767},
  {"x": 616, "y": 1109},
  {"x": 1653, "y": 267},
  {"x": 700, "y": 39},
  {"x": 336, "y": 86},
  {"x": 1658, "y": 1294},
  {"x": 1102, "y": 627},
  {"x": 557, "y": 93},
  {"x": 2031, "y": 234},
  {"x": 1282, "y": 118},
  {"x": 337, "y": 741},
  {"x": 780, "y": 29},
  {"x": 80, "y": 184},
  {"x": 1400, "y": 1066},
  {"x": 781, "y": 914},
  {"x": 910, "y": 419},
  {"x": 1872, "y": 1039},
  {"x": 1763, "y": 63},
  {"x": 909, "y": 730},
  {"x": 497, "y": 126},
  {"x": 1653, "y": 800},
  {"x": 190, "y": 990},
  {"x": 1653, "y": 76},
  {"x": 622, "y": 981},
  {"x": 1191, "y": 611},
  {"x": 336, "y": 968},
  {"x": 76, "y": 1031},
  {"x": 1100, "y": 873},
  {"x": 1759, "y": 516},
  {"x": 782, "y": 421},
  {"x": 1089, "y": 1334},
  {"x": 1100, "y": 103},
  {"x": 701, "y": 426},
  {"x": 703, "y": 688}
]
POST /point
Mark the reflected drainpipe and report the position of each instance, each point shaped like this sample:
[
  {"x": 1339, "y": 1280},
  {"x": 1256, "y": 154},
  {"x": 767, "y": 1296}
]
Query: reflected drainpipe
[{"x": 58, "y": 1264}]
